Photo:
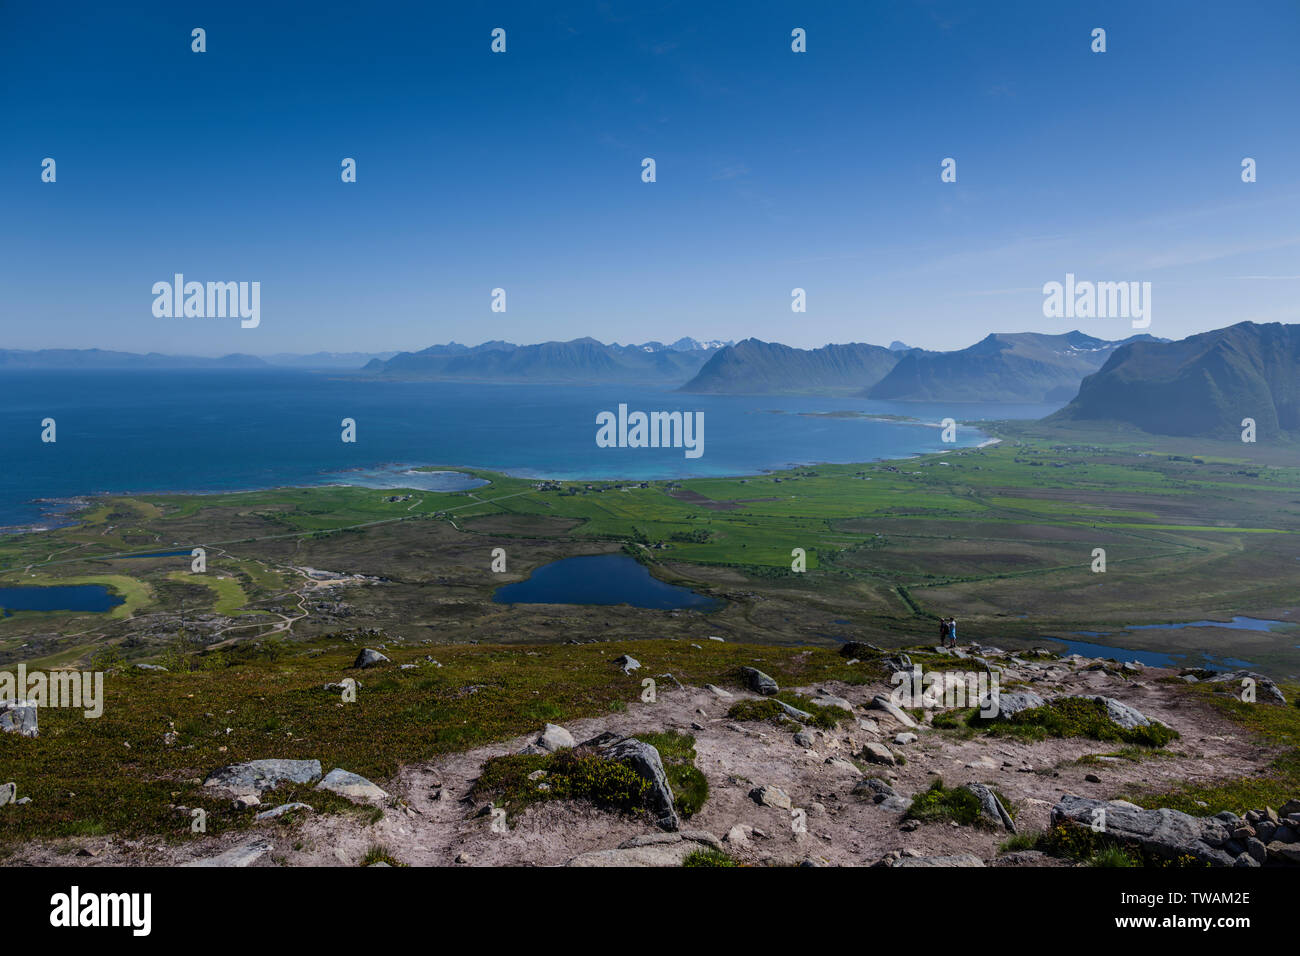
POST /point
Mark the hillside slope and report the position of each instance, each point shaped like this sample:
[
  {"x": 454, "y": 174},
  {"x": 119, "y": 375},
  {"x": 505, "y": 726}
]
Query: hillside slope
[
  {"x": 1002, "y": 367},
  {"x": 1202, "y": 386}
]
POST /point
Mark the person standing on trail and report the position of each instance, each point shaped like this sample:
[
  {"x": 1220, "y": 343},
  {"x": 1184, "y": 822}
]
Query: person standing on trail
[
  {"x": 943, "y": 632},
  {"x": 952, "y": 630}
]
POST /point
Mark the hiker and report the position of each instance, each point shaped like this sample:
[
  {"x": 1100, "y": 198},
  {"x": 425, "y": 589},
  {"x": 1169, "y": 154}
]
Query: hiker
[
  {"x": 943, "y": 632},
  {"x": 952, "y": 630}
]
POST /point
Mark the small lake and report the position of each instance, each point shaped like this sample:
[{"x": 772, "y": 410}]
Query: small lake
[
  {"x": 602, "y": 579},
  {"x": 68, "y": 597}
]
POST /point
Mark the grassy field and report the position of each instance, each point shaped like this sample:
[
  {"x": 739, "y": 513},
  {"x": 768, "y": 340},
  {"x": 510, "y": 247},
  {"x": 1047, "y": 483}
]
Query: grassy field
[{"x": 1003, "y": 537}]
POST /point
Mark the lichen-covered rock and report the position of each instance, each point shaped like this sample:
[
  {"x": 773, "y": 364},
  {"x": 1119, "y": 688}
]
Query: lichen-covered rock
[
  {"x": 260, "y": 775},
  {"x": 758, "y": 682},
  {"x": 369, "y": 658}
]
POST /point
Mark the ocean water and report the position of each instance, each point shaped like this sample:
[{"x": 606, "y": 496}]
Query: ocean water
[{"x": 217, "y": 430}]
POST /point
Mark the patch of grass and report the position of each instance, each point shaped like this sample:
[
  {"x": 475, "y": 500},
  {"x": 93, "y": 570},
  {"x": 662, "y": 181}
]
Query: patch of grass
[
  {"x": 1018, "y": 841},
  {"x": 767, "y": 708},
  {"x": 940, "y": 803},
  {"x": 1073, "y": 717},
  {"x": 708, "y": 857},
  {"x": 568, "y": 776},
  {"x": 379, "y": 854}
]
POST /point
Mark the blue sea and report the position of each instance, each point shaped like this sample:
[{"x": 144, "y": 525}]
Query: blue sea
[{"x": 217, "y": 430}]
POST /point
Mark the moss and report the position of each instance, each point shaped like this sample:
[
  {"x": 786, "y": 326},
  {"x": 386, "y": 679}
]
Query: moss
[
  {"x": 708, "y": 858},
  {"x": 568, "y": 775}
]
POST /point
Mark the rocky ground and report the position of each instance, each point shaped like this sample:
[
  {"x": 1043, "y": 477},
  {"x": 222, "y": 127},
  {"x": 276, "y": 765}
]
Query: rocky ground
[{"x": 780, "y": 794}]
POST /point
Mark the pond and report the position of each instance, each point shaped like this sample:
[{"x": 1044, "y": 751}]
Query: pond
[
  {"x": 602, "y": 579},
  {"x": 65, "y": 597}
]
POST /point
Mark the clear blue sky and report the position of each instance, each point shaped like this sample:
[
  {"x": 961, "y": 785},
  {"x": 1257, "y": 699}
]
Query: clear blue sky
[{"x": 522, "y": 170}]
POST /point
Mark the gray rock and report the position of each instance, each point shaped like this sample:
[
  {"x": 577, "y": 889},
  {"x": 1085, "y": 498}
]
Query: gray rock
[
  {"x": 554, "y": 737},
  {"x": 352, "y": 786},
  {"x": 906, "y": 737},
  {"x": 627, "y": 663},
  {"x": 893, "y": 710},
  {"x": 369, "y": 658},
  {"x": 960, "y": 859},
  {"x": 8, "y": 791},
  {"x": 281, "y": 810},
  {"x": 260, "y": 775},
  {"x": 794, "y": 712},
  {"x": 719, "y": 692},
  {"x": 1279, "y": 852},
  {"x": 645, "y": 760},
  {"x": 804, "y": 739},
  {"x": 1164, "y": 833},
  {"x": 990, "y": 806},
  {"x": 18, "y": 717},
  {"x": 826, "y": 699},
  {"x": 758, "y": 682},
  {"x": 876, "y": 753},
  {"x": 1008, "y": 705},
  {"x": 242, "y": 855},
  {"x": 770, "y": 796}
]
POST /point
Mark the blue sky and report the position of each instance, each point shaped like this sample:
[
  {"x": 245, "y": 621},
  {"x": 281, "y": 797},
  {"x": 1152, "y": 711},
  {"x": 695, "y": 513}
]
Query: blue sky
[{"x": 522, "y": 170}]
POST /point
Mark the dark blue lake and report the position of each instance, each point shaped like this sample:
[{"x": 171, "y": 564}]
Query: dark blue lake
[
  {"x": 70, "y": 597},
  {"x": 601, "y": 579}
]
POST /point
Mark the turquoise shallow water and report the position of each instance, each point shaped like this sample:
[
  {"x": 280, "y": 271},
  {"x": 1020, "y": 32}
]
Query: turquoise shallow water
[{"x": 227, "y": 430}]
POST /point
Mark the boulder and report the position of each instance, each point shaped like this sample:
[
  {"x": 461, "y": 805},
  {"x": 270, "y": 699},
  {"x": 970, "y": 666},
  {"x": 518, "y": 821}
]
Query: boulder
[
  {"x": 352, "y": 786},
  {"x": 243, "y": 855},
  {"x": 893, "y": 710},
  {"x": 758, "y": 682},
  {"x": 876, "y": 753},
  {"x": 1168, "y": 834},
  {"x": 770, "y": 796},
  {"x": 369, "y": 658},
  {"x": 1008, "y": 705},
  {"x": 627, "y": 663},
  {"x": 260, "y": 775},
  {"x": 554, "y": 737},
  {"x": 826, "y": 699},
  {"x": 645, "y": 760}
]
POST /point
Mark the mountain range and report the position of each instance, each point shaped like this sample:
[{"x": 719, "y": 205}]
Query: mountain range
[{"x": 579, "y": 362}]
